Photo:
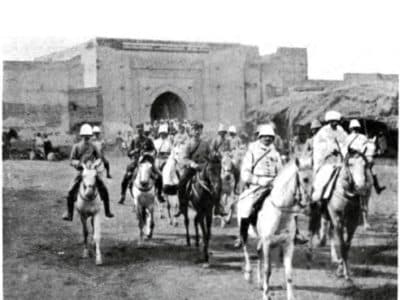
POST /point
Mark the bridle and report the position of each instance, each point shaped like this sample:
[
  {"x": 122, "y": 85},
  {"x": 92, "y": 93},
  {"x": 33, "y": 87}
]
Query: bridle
[
  {"x": 84, "y": 198},
  {"x": 351, "y": 152}
]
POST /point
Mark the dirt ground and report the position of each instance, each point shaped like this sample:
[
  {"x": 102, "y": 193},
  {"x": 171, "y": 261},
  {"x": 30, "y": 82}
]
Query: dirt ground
[{"x": 42, "y": 253}]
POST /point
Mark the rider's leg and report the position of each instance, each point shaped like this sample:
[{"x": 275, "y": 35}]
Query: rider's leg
[
  {"x": 71, "y": 198},
  {"x": 377, "y": 187},
  {"x": 126, "y": 180},
  {"x": 186, "y": 175},
  {"x": 107, "y": 166},
  {"x": 104, "y": 196}
]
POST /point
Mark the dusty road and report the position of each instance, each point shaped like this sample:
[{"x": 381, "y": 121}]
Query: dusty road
[{"x": 42, "y": 253}]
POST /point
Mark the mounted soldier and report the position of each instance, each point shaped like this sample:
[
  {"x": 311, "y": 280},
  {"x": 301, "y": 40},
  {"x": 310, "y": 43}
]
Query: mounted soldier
[
  {"x": 195, "y": 154},
  {"x": 315, "y": 127},
  {"x": 260, "y": 166},
  {"x": 357, "y": 141},
  {"x": 234, "y": 141},
  {"x": 100, "y": 144},
  {"x": 139, "y": 145},
  {"x": 163, "y": 148},
  {"x": 181, "y": 137},
  {"x": 220, "y": 144},
  {"x": 81, "y": 153},
  {"x": 329, "y": 149}
]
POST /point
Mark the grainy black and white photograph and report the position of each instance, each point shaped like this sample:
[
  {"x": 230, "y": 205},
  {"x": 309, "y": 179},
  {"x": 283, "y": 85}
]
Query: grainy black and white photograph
[{"x": 200, "y": 150}]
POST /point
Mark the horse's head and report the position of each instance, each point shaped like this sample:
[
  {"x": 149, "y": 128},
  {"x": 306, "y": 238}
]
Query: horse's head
[
  {"x": 88, "y": 187},
  {"x": 227, "y": 168},
  {"x": 356, "y": 164},
  {"x": 212, "y": 172},
  {"x": 145, "y": 171},
  {"x": 304, "y": 179}
]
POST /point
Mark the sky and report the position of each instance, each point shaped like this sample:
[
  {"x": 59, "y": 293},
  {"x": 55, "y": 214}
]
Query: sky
[{"x": 340, "y": 36}]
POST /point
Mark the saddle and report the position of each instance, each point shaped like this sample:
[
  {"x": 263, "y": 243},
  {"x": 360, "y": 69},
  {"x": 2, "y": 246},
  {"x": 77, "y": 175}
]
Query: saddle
[{"x": 263, "y": 194}]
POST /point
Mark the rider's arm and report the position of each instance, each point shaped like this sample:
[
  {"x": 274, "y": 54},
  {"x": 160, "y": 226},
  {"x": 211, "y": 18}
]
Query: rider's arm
[
  {"x": 246, "y": 173},
  {"x": 74, "y": 159},
  {"x": 186, "y": 160}
]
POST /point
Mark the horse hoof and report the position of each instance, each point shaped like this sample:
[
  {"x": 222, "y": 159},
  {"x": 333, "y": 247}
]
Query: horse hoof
[
  {"x": 99, "y": 261},
  {"x": 247, "y": 276},
  {"x": 206, "y": 265},
  {"x": 176, "y": 224},
  {"x": 367, "y": 227}
]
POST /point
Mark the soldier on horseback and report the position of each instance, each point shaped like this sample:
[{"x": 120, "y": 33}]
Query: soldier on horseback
[
  {"x": 194, "y": 157},
  {"x": 329, "y": 149},
  {"x": 139, "y": 145},
  {"x": 220, "y": 144},
  {"x": 260, "y": 166},
  {"x": 357, "y": 141},
  {"x": 234, "y": 141},
  {"x": 80, "y": 154}
]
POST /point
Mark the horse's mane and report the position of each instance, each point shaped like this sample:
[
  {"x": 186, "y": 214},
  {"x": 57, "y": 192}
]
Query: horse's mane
[{"x": 285, "y": 175}]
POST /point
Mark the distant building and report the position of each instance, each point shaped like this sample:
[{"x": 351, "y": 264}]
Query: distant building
[{"x": 116, "y": 82}]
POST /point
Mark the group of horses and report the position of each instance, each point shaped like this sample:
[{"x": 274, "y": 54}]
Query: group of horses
[{"x": 275, "y": 226}]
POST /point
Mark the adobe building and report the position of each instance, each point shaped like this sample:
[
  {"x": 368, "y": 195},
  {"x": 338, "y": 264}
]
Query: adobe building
[
  {"x": 120, "y": 82},
  {"x": 117, "y": 83}
]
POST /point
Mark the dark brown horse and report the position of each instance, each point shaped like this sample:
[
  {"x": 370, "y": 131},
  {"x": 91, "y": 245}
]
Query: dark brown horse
[{"x": 203, "y": 191}]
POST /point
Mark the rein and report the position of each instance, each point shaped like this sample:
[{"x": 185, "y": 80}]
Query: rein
[{"x": 84, "y": 198}]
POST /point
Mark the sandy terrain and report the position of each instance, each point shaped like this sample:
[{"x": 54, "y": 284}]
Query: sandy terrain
[{"x": 42, "y": 254}]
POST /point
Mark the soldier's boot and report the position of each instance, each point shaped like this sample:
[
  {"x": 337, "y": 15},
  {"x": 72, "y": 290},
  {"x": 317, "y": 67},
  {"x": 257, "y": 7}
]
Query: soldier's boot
[
  {"x": 377, "y": 187},
  {"x": 69, "y": 214},
  {"x": 299, "y": 239},
  {"x": 107, "y": 167},
  {"x": 124, "y": 186},
  {"x": 219, "y": 209}
]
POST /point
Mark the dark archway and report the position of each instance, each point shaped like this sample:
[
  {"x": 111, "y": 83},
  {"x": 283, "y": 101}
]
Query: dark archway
[{"x": 168, "y": 106}]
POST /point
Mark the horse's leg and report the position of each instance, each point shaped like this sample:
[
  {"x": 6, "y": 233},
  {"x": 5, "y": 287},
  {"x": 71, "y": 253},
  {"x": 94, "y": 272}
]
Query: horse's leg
[
  {"x": 186, "y": 221},
  {"x": 85, "y": 231},
  {"x": 208, "y": 221},
  {"x": 323, "y": 230},
  {"x": 196, "y": 229},
  {"x": 223, "y": 202},
  {"x": 351, "y": 227},
  {"x": 364, "y": 210},
  {"x": 339, "y": 242},
  {"x": 202, "y": 222},
  {"x": 267, "y": 267},
  {"x": 259, "y": 264},
  {"x": 150, "y": 217},
  {"x": 168, "y": 200},
  {"x": 288, "y": 251},
  {"x": 140, "y": 216},
  {"x": 97, "y": 237}
]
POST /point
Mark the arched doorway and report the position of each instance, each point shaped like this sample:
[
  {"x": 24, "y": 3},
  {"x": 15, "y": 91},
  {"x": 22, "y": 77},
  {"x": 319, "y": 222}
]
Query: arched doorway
[{"x": 168, "y": 106}]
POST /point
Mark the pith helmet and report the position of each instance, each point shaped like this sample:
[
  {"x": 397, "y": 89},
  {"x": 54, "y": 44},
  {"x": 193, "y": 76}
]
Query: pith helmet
[
  {"x": 332, "y": 116},
  {"x": 96, "y": 129},
  {"x": 221, "y": 128},
  {"x": 266, "y": 129},
  {"x": 315, "y": 124},
  {"x": 232, "y": 129},
  {"x": 86, "y": 129},
  {"x": 354, "y": 124},
  {"x": 163, "y": 128}
]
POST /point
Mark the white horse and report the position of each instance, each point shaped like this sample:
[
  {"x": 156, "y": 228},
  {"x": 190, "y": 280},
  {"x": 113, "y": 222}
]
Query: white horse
[
  {"x": 143, "y": 195},
  {"x": 228, "y": 196},
  {"x": 89, "y": 205},
  {"x": 170, "y": 175},
  {"x": 276, "y": 224}
]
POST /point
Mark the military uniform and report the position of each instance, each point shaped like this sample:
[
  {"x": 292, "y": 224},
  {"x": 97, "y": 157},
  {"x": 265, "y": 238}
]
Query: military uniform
[
  {"x": 180, "y": 139},
  {"x": 219, "y": 145},
  {"x": 139, "y": 145},
  {"x": 81, "y": 153},
  {"x": 235, "y": 143},
  {"x": 328, "y": 144},
  {"x": 260, "y": 166}
]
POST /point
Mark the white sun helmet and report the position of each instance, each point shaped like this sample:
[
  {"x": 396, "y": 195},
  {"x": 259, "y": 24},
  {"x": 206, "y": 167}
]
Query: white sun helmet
[
  {"x": 96, "y": 129},
  {"x": 86, "y": 129},
  {"x": 163, "y": 128},
  {"x": 354, "y": 124},
  {"x": 232, "y": 129},
  {"x": 221, "y": 128},
  {"x": 265, "y": 129},
  {"x": 332, "y": 116}
]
